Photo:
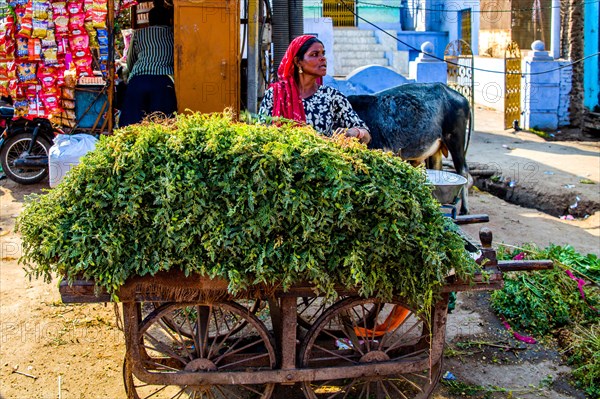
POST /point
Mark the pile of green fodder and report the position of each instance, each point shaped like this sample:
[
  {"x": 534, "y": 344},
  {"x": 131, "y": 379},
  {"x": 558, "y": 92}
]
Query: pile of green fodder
[
  {"x": 253, "y": 204},
  {"x": 545, "y": 300}
]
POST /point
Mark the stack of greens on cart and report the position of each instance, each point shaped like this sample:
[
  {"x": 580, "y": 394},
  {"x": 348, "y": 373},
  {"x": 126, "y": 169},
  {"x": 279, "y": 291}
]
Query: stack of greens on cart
[{"x": 250, "y": 203}]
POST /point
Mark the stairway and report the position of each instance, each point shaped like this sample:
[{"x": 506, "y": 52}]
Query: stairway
[{"x": 354, "y": 48}]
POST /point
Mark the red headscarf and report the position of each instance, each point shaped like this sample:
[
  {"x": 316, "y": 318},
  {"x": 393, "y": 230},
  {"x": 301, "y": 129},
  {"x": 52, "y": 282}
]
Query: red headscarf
[{"x": 286, "y": 97}]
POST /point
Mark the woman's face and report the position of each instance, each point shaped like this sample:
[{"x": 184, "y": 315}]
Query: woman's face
[{"x": 314, "y": 61}]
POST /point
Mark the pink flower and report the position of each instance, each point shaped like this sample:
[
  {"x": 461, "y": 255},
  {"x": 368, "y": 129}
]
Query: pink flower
[{"x": 519, "y": 256}]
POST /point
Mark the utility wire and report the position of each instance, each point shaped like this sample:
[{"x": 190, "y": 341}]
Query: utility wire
[
  {"x": 457, "y": 64},
  {"x": 417, "y": 8}
]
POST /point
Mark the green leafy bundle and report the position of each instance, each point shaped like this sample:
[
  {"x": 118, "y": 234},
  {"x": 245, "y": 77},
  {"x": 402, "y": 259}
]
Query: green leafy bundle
[
  {"x": 584, "y": 355},
  {"x": 545, "y": 300},
  {"x": 250, "y": 203}
]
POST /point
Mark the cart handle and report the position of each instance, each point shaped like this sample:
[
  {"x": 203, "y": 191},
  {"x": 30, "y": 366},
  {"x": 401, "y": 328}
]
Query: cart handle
[{"x": 524, "y": 265}]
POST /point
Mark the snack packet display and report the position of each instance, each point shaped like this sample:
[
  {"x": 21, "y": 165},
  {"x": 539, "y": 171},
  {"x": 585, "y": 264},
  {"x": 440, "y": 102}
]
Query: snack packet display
[{"x": 45, "y": 44}]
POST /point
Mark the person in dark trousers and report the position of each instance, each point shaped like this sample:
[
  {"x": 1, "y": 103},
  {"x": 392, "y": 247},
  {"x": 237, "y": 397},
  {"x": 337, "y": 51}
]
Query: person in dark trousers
[{"x": 150, "y": 86}]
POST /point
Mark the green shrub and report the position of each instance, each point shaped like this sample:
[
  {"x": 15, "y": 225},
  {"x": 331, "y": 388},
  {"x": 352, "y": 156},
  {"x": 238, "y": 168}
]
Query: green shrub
[{"x": 250, "y": 203}]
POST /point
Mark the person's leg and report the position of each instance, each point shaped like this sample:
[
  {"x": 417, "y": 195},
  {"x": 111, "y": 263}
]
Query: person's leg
[
  {"x": 163, "y": 98},
  {"x": 137, "y": 100},
  {"x": 132, "y": 107}
]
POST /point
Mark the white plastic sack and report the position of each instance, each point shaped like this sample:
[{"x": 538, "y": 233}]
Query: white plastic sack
[{"x": 66, "y": 152}]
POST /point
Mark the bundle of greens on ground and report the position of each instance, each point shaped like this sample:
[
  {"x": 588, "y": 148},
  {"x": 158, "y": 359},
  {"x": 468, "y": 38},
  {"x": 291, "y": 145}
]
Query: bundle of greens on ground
[
  {"x": 253, "y": 204},
  {"x": 542, "y": 301},
  {"x": 566, "y": 297}
]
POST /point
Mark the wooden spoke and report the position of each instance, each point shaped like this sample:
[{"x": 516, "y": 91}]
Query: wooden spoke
[
  {"x": 362, "y": 323},
  {"x": 205, "y": 338}
]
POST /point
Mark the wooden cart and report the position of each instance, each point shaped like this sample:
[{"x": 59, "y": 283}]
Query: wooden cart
[{"x": 187, "y": 337}]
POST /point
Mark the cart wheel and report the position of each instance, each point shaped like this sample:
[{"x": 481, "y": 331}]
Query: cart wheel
[
  {"x": 311, "y": 308},
  {"x": 355, "y": 331},
  {"x": 176, "y": 320},
  {"x": 223, "y": 337}
]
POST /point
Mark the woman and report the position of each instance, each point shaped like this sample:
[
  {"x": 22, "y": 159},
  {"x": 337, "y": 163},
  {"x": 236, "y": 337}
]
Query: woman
[
  {"x": 150, "y": 86},
  {"x": 299, "y": 94}
]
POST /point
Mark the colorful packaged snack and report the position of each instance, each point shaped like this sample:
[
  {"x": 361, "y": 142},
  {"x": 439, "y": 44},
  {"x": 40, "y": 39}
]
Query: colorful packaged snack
[
  {"x": 36, "y": 107},
  {"x": 7, "y": 41},
  {"x": 4, "y": 87},
  {"x": 50, "y": 55},
  {"x": 77, "y": 22},
  {"x": 26, "y": 72},
  {"x": 127, "y": 4},
  {"x": 91, "y": 32},
  {"x": 99, "y": 19},
  {"x": 88, "y": 6},
  {"x": 40, "y": 29},
  {"x": 7, "y": 69},
  {"x": 70, "y": 78},
  {"x": 34, "y": 49},
  {"x": 60, "y": 76},
  {"x": 68, "y": 93},
  {"x": 40, "y": 9},
  {"x": 22, "y": 50},
  {"x": 52, "y": 102},
  {"x": 50, "y": 19},
  {"x": 62, "y": 45},
  {"x": 68, "y": 104},
  {"x": 75, "y": 7},
  {"x": 24, "y": 21},
  {"x": 50, "y": 39},
  {"x": 101, "y": 5},
  {"x": 47, "y": 75},
  {"x": 79, "y": 42},
  {"x": 21, "y": 107},
  {"x": 59, "y": 8},
  {"x": 7, "y": 28},
  {"x": 61, "y": 24},
  {"x": 83, "y": 65}
]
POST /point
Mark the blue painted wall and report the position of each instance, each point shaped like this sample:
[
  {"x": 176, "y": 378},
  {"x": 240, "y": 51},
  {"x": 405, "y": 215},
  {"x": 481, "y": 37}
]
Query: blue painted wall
[{"x": 591, "y": 66}]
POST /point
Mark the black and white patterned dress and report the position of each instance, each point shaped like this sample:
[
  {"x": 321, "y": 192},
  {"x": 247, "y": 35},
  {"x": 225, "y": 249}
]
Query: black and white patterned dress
[{"x": 326, "y": 110}]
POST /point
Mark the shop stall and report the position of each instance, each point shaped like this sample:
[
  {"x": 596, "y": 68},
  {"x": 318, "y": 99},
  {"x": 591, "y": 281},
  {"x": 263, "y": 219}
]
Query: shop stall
[
  {"x": 56, "y": 61},
  {"x": 57, "y": 58}
]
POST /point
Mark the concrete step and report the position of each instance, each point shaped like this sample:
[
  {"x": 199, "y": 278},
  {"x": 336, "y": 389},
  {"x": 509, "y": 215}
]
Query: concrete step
[
  {"x": 362, "y": 54},
  {"x": 356, "y": 62},
  {"x": 356, "y": 48},
  {"x": 355, "y": 40},
  {"x": 339, "y": 32}
]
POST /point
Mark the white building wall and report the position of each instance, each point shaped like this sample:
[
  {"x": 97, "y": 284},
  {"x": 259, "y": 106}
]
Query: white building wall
[
  {"x": 489, "y": 85},
  {"x": 450, "y": 19}
]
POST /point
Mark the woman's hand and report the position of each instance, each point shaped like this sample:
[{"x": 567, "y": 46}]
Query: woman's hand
[{"x": 357, "y": 132}]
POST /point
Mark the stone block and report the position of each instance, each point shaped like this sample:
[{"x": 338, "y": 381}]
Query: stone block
[
  {"x": 540, "y": 98},
  {"x": 540, "y": 120}
]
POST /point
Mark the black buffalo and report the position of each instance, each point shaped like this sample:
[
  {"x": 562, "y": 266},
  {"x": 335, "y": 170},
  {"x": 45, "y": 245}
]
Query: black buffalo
[{"x": 418, "y": 121}]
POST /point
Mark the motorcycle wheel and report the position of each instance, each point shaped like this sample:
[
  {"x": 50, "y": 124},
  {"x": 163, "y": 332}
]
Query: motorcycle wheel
[{"x": 12, "y": 149}]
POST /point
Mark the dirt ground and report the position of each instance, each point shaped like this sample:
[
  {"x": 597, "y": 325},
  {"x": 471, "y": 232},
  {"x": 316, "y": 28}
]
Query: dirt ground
[{"x": 76, "y": 351}]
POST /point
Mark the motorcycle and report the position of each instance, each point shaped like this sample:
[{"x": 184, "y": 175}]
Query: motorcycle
[{"x": 24, "y": 146}]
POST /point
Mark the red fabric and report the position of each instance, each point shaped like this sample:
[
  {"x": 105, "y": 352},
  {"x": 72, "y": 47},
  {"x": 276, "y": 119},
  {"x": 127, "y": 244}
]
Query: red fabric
[{"x": 286, "y": 97}]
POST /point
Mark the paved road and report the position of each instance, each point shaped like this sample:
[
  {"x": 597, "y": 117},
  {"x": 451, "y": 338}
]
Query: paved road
[{"x": 549, "y": 176}]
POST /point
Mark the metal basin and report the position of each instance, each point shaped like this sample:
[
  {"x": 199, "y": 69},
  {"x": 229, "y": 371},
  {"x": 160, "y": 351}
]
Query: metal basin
[{"x": 447, "y": 185}]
